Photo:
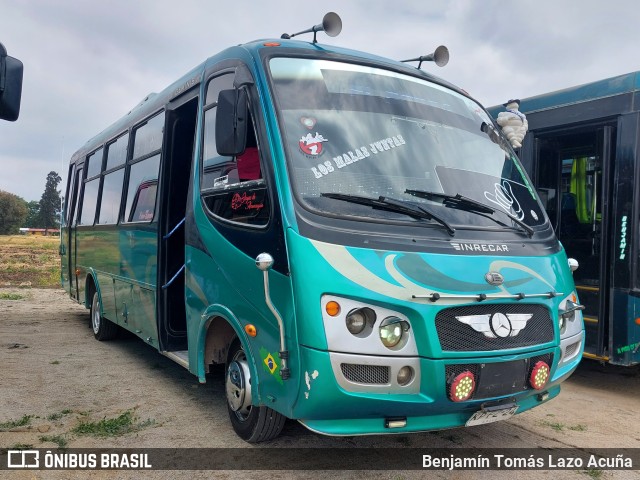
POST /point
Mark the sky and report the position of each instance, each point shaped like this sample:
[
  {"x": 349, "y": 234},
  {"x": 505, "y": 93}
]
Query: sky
[{"x": 88, "y": 62}]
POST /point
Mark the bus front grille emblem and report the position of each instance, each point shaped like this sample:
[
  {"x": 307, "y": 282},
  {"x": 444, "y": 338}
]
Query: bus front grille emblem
[
  {"x": 497, "y": 325},
  {"x": 494, "y": 278}
]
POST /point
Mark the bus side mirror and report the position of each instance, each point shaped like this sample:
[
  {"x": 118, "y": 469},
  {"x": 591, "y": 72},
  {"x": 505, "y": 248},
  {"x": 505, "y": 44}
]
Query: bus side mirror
[
  {"x": 10, "y": 86},
  {"x": 232, "y": 117}
]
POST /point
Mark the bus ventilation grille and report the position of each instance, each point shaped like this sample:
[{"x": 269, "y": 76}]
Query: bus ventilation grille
[
  {"x": 369, "y": 374},
  {"x": 457, "y": 336}
]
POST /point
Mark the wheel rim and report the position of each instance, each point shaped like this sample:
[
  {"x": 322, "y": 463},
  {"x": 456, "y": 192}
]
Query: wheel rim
[
  {"x": 95, "y": 315},
  {"x": 238, "y": 386}
]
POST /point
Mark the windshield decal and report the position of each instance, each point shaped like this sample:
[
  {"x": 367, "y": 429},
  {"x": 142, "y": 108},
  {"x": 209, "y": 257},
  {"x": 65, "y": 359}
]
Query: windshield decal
[
  {"x": 505, "y": 199},
  {"x": 311, "y": 145},
  {"x": 352, "y": 156}
]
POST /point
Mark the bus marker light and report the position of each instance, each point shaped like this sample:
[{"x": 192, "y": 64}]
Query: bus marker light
[
  {"x": 332, "y": 308},
  {"x": 395, "y": 422},
  {"x": 251, "y": 330},
  {"x": 77, "y": 272},
  {"x": 539, "y": 375},
  {"x": 637, "y": 321},
  {"x": 462, "y": 387},
  {"x": 271, "y": 44}
]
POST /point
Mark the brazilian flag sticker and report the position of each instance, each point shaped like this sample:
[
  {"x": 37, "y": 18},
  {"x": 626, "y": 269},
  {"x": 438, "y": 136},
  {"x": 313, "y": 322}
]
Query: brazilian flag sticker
[{"x": 270, "y": 364}]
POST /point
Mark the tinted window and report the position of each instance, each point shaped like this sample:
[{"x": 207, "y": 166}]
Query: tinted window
[
  {"x": 117, "y": 152},
  {"x": 111, "y": 195},
  {"x": 215, "y": 166},
  {"x": 89, "y": 200},
  {"x": 141, "y": 194},
  {"x": 223, "y": 82},
  {"x": 94, "y": 163},
  {"x": 148, "y": 137}
]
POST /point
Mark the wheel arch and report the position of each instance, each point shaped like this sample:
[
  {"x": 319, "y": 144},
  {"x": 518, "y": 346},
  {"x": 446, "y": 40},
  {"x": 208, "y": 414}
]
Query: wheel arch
[
  {"x": 91, "y": 285},
  {"x": 218, "y": 327}
]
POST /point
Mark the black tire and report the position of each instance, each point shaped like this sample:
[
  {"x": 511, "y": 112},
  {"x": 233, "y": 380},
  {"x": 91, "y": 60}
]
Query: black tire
[
  {"x": 250, "y": 422},
  {"x": 103, "y": 329}
]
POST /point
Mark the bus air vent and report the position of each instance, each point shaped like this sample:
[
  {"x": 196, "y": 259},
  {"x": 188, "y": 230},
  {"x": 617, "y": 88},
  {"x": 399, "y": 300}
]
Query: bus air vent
[{"x": 368, "y": 374}]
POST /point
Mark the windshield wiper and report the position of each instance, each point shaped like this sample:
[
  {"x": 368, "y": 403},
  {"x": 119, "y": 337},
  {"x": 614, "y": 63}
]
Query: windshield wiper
[
  {"x": 391, "y": 205},
  {"x": 468, "y": 204}
]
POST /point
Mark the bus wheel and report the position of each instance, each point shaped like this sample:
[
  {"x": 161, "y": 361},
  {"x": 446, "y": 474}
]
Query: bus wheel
[
  {"x": 252, "y": 423},
  {"x": 103, "y": 329}
]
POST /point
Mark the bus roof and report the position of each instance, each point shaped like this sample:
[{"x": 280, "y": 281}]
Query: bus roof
[
  {"x": 628, "y": 83},
  {"x": 155, "y": 101}
]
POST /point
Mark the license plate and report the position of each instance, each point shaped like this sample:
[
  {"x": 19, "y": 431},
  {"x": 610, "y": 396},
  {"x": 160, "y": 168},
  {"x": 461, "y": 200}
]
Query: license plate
[{"x": 488, "y": 416}]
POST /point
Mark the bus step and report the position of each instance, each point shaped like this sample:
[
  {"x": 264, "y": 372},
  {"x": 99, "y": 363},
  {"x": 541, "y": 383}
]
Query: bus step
[{"x": 180, "y": 357}]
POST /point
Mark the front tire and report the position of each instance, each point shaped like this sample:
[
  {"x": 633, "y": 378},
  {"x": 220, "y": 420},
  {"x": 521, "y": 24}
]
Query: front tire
[
  {"x": 250, "y": 422},
  {"x": 103, "y": 329}
]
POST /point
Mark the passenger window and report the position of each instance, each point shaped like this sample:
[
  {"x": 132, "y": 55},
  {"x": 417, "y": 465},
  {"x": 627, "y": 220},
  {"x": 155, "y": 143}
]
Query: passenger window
[
  {"x": 141, "y": 195},
  {"x": 89, "y": 201},
  {"x": 94, "y": 164},
  {"x": 117, "y": 152},
  {"x": 148, "y": 137},
  {"x": 111, "y": 196}
]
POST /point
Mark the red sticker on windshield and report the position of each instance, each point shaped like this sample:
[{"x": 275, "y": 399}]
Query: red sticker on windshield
[{"x": 312, "y": 144}]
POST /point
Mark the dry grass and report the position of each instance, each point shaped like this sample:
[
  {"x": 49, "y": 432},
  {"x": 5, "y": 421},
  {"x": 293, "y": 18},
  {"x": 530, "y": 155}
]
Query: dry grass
[{"x": 29, "y": 261}]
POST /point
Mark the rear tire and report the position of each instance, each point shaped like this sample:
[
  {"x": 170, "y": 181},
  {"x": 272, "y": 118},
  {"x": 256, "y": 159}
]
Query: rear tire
[
  {"x": 250, "y": 422},
  {"x": 103, "y": 329}
]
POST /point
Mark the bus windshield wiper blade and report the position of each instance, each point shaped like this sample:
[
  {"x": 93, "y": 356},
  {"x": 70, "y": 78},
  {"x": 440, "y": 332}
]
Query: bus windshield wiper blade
[
  {"x": 391, "y": 205},
  {"x": 468, "y": 204}
]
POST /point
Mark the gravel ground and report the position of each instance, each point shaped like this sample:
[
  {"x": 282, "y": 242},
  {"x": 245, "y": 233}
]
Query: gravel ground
[{"x": 53, "y": 370}]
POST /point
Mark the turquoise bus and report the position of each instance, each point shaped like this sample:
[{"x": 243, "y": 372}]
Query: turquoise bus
[
  {"x": 351, "y": 237},
  {"x": 582, "y": 154}
]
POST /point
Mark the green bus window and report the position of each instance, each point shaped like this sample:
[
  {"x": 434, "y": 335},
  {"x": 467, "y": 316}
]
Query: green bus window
[
  {"x": 141, "y": 194},
  {"x": 94, "y": 161},
  {"x": 111, "y": 196},
  {"x": 148, "y": 137},
  {"x": 117, "y": 152},
  {"x": 89, "y": 201}
]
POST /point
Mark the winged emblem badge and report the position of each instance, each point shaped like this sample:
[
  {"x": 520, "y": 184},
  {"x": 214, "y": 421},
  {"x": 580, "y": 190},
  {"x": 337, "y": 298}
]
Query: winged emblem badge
[{"x": 497, "y": 325}]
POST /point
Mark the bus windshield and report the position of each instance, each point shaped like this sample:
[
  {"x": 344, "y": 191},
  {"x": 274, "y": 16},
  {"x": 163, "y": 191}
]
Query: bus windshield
[{"x": 361, "y": 131}]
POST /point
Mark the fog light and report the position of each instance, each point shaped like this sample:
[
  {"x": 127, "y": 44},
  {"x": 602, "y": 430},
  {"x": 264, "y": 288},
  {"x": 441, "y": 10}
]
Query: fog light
[
  {"x": 391, "y": 331},
  {"x": 462, "y": 387},
  {"x": 405, "y": 375},
  {"x": 539, "y": 375},
  {"x": 357, "y": 319}
]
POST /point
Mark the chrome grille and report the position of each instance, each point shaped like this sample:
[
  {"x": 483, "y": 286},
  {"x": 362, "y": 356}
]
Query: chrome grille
[
  {"x": 370, "y": 374},
  {"x": 460, "y": 337}
]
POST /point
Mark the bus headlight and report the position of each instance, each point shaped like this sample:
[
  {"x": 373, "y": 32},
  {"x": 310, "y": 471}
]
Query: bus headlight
[
  {"x": 358, "y": 319},
  {"x": 392, "y": 330},
  {"x": 570, "y": 316}
]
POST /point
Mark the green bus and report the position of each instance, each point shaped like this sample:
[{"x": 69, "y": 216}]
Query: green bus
[{"x": 350, "y": 236}]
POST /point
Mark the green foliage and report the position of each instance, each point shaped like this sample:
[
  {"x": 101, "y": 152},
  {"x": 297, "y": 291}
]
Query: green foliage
[
  {"x": 59, "y": 440},
  {"x": 33, "y": 215},
  {"x": 49, "y": 211},
  {"x": 22, "y": 422},
  {"x": 13, "y": 212},
  {"x": 10, "y": 296},
  {"x": 112, "y": 427}
]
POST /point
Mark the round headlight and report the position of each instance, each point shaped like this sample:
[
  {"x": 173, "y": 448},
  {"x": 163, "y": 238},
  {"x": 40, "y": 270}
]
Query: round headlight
[
  {"x": 391, "y": 331},
  {"x": 405, "y": 375},
  {"x": 357, "y": 319},
  {"x": 562, "y": 322}
]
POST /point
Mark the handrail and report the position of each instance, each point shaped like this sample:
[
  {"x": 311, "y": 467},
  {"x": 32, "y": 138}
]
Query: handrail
[
  {"x": 174, "y": 229},
  {"x": 168, "y": 284}
]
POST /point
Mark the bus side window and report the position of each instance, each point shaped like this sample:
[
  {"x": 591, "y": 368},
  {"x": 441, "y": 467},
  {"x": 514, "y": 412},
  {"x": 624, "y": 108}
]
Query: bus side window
[{"x": 232, "y": 187}]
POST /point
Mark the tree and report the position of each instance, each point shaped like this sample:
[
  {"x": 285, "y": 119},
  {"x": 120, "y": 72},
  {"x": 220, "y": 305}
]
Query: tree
[
  {"x": 33, "y": 215},
  {"x": 50, "y": 202},
  {"x": 13, "y": 212}
]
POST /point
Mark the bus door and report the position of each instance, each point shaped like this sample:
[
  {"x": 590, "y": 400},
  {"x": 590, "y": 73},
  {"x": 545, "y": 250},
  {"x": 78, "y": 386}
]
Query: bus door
[
  {"x": 68, "y": 243},
  {"x": 573, "y": 175},
  {"x": 180, "y": 131}
]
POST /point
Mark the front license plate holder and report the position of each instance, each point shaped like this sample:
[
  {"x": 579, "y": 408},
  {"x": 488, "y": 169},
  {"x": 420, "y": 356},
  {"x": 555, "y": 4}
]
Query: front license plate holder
[{"x": 490, "y": 415}]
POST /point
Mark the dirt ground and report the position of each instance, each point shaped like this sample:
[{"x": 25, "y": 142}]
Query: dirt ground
[{"x": 54, "y": 371}]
